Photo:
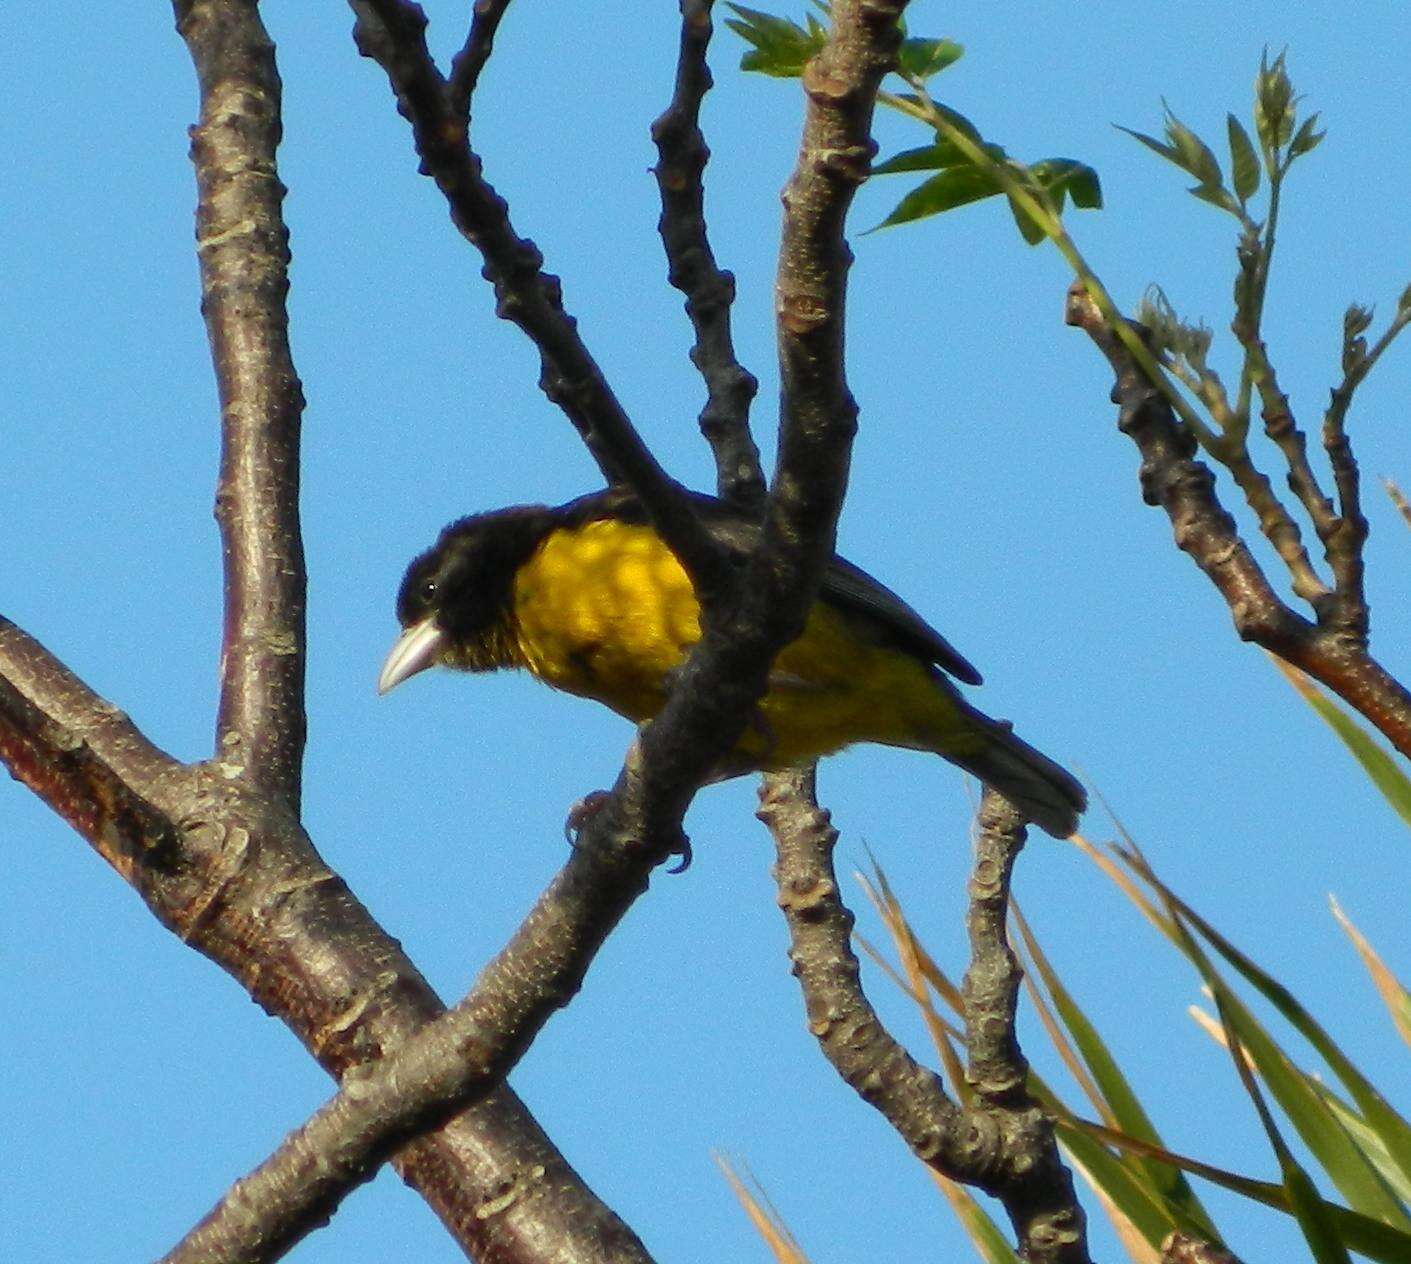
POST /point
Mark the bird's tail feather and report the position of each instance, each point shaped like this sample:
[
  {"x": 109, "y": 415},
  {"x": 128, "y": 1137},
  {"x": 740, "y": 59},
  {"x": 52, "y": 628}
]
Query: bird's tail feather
[{"x": 1046, "y": 793}]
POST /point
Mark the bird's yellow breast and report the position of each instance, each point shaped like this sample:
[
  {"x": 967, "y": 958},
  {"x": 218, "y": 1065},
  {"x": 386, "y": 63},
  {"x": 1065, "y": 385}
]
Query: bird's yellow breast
[{"x": 607, "y": 612}]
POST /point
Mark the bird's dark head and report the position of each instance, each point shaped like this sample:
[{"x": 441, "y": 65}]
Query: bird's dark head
[{"x": 455, "y": 602}]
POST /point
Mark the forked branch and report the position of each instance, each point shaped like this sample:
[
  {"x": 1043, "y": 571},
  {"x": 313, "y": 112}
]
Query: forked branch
[
  {"x": 1001, "y": 1141},
  {"x": 1330, "y": 650}
]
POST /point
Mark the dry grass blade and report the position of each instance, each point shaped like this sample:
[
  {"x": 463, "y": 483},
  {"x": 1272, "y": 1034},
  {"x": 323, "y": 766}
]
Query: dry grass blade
[
  {"x": 889, "y": 907},
  {"x": 1210, "y": 1025},
  {"x": 767, "y": 1222},
  {"x": 1396, "y": 998},
  {"x": 1403, "y": 506},
  {"x": 1122, "y": 881},
  {"x": 944, "y": 1036}
]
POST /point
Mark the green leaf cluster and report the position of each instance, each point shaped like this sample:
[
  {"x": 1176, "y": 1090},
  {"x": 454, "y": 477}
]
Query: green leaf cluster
[
  {"x": 781, "y": 47},
  {"x": 1278, "y": 143}
]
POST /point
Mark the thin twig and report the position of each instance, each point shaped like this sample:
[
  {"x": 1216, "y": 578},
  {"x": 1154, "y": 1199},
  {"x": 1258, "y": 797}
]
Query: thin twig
[
  {"x": 709, "y": 290},
  {"x": 1185, "y": 488},
  {"x": 243, "y": 248},
  {"x": 1349, "y": 615},
  {"x": 1231, "y": 448},
  {"x": 1285, "y": 433},
  {"x": 393, "y": 33},
  {"x": 470, "y": 61},
  {"x": 852, "y": 1037},
  {"x": 469, "y": 1050},
  {"x": 1038, "y": 1190}
]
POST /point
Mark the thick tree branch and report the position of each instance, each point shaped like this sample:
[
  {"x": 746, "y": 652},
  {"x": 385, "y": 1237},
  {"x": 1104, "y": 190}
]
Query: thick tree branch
[
  {"x": 233, "y": 875},
  {"x": 243, "y": 248},
  {"x": 393, "y": 33},
  {"x": 470, "y": 1049},
  {"x": 709, "y": 290},
  {"x": 1001, "y": 1142},
  {"x": 1172, "y": 478},
  {"x": 86, "y": 760}
]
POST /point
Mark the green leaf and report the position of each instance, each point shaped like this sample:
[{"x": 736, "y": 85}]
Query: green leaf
[
  {"x": 1306, "y": 139},
  {"x": 780, "y": 48},
  {"x": 956, "y": 119},
  {"x": 1273, "y": 103},
  {"x": 944, "y": 191},
  {"x": 926, "y": 158},
  {"x": 1216, "y": 195},
  {"x": 1168, "y": 152},
  {"x": 1376, "y": 762},
  {"x": 922, "y": 58},
  {"x": 1193, "y": 153},
  {"x": 1079, "y": 181},
  {"x": 1120, "y": 1184},
  {"x": 1317, "y": 1226},
  {"x": 1367, "y": 1140},
  {"x": 1244, "y": 162},
  {"x": 1393, "y": 1130},
  {"x": 1028, "y": 230},
  {"x": 1319, "y": 1229}
]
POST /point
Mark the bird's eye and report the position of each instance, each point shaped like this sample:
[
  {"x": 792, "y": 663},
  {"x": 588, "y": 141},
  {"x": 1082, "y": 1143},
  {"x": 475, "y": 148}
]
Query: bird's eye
[{"x": 428, "y": 591}]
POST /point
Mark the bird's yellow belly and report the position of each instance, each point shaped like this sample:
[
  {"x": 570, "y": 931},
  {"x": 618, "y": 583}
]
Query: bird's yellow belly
[{"x": 606, "y": 612}]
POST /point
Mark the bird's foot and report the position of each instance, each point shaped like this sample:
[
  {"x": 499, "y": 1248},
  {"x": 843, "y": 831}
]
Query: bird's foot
[{"x": 591, "y": 804}]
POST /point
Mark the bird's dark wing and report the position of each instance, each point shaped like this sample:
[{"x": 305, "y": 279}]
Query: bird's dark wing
[
  {"x": 854, "y": 589},
  {"x": 844, "y": 584}
]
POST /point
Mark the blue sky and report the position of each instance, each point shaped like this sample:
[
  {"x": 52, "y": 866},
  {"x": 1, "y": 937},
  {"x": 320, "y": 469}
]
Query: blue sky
[{"x": 990, "y": 487}]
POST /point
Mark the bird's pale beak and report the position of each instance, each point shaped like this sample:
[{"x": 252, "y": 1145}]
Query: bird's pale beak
[{"x": 416, "y": 649}]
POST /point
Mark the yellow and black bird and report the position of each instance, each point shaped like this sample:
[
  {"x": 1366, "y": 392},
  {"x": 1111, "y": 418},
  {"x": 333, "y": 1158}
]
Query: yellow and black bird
[{"x": 590, "y": 600}]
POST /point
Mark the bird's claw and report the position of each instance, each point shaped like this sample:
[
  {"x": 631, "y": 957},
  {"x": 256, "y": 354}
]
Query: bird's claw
[
  {"x": 582, "y": 812},
  {"x": 591, "y": 804},
  {"x": 682, "y": 849}
]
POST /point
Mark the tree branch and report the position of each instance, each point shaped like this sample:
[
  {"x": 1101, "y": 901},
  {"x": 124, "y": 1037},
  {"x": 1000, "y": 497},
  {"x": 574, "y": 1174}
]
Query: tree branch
[
  {"x": 234, "y": 877},
  {"x": 1180, "y": 1248},
  {"x": 393, "y": 33},
  {"x": 470, "y": 61},
  {"x": 86, "y": 760},
  {"x": 471, "y": 1048},
  {"x": 1185, "y": 489},
  {"x": 243, "y": 248},
  {"x": 1037, "y": 1190},
  {"x": 709, "y": 290},
  {"x": 1002, "y": 1142}
]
